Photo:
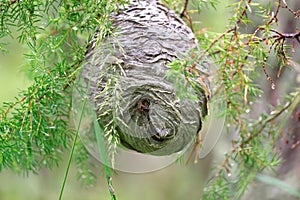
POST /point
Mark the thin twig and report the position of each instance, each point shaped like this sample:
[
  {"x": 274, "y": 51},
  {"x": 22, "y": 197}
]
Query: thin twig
[
  {"x": 278, "y": 36},
  {"x": 184, "y": 13},
  {"x": 216, "y": 40},
  {"x": 274, "y": 17},
  {"x": 234, "y": 28},
  {"x": 196, "y": 148},
  {"x": 236, "y": 148},
  {"x": 263, "y": 126},
  {"x": 110, "y": 187},
  {"x": 295, "y": 13}
]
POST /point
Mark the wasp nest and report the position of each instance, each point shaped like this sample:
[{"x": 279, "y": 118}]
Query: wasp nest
[{"x": 126, "y": 75}]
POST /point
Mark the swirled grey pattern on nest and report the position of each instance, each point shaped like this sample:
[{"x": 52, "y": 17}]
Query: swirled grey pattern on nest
[{"x": 150, "y": 118}]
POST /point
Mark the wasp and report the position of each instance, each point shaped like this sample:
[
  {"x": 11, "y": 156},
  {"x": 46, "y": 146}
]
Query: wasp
[{"x": 143, "y": 105}]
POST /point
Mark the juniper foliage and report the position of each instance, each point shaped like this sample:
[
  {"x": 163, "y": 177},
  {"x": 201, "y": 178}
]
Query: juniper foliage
[{"x": 35, "y": 130}]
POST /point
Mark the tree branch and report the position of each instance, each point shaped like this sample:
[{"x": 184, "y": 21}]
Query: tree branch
[
  {"x": 7, "y": 3},
  {"x": 185, "y": 14},
  {"x": 295, "y": 13}
]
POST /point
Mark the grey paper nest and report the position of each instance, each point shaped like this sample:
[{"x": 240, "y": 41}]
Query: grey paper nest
[{"x": 126, "y": 75}]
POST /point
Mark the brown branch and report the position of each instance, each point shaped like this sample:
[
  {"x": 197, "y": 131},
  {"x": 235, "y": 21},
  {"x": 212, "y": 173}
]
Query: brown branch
[
  {"x": 184, "y": 14},
  {"x": 216, "y": 40},
  {"x": 267, "y": 74},
  {"x": 274, "y": 17},
  {"x": 295, "y": 35},
  {"x": 278, "y": 36},
  {"x": 12, "y": 106},
  {"x": 295, "y": 13}
]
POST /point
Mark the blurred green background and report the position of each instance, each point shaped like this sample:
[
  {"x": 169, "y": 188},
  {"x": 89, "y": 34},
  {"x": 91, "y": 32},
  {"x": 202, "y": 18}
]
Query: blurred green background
[
  {"x": 175, "y": 182},
  {"x": 13, "y": 76}
]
